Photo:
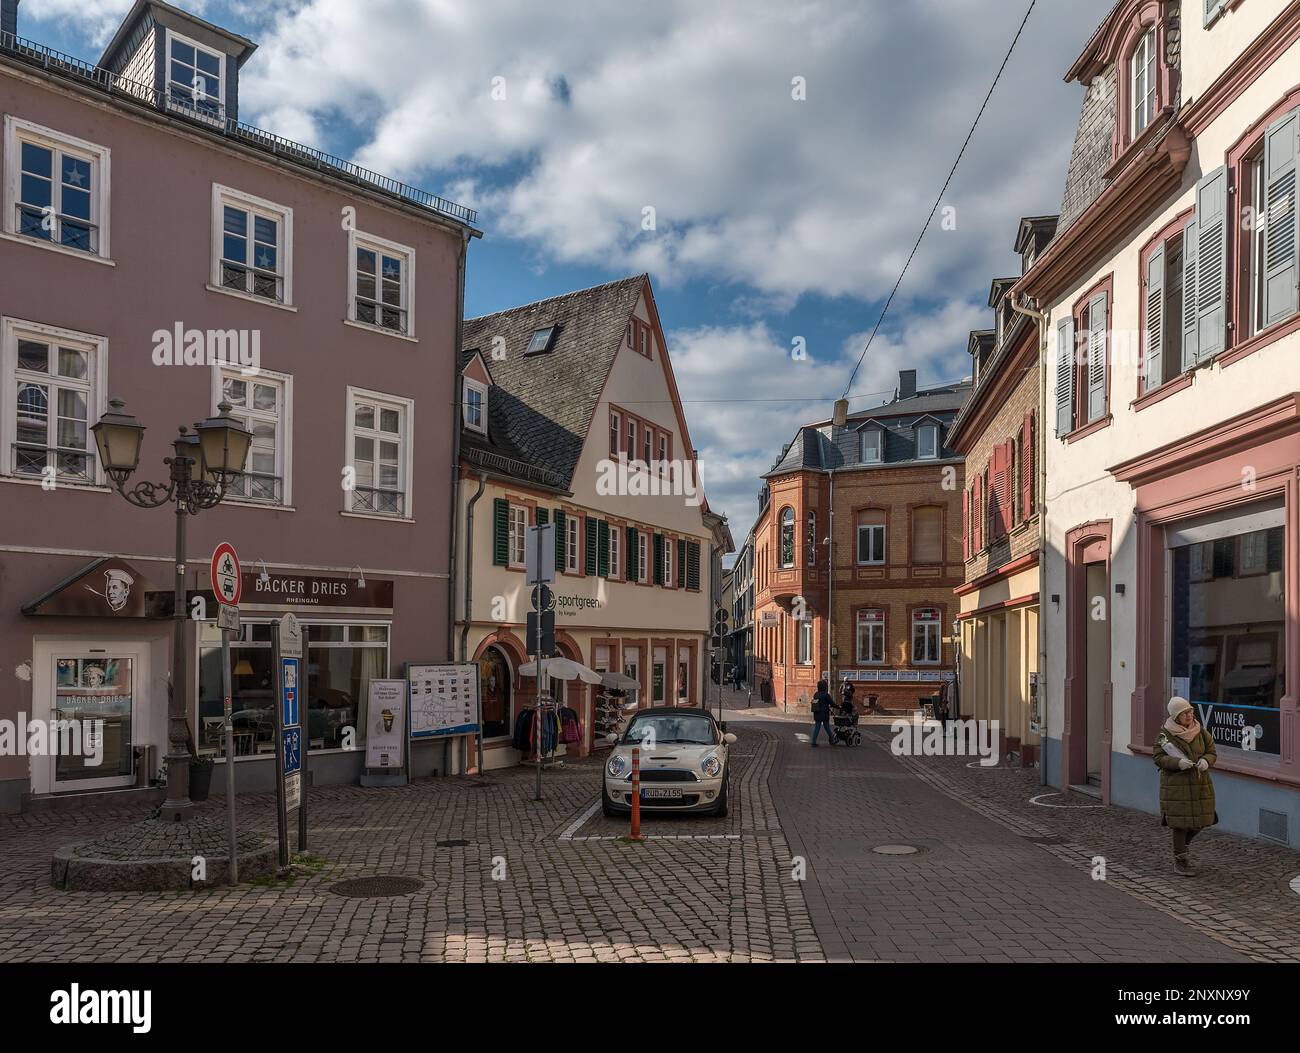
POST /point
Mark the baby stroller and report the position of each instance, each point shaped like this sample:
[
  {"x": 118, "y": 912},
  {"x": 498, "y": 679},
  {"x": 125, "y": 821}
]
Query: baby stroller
[{"x": 846, "y": 728}]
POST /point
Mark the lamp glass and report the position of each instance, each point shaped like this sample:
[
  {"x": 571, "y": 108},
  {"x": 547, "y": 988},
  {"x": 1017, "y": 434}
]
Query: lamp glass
[
  {"x": 224, "y": 445},
  {"x": 118, "y": 438}
]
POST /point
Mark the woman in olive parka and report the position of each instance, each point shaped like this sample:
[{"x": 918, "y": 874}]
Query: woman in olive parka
[{"x": 1184, "y": 753}]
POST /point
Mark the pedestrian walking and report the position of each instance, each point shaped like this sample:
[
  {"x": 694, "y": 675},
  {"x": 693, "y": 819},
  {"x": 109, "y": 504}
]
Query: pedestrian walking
[
  {"x": 1184, "y": 752},
  {"x": 847, "y": 691},
  {"x": 821, "y": 709}
]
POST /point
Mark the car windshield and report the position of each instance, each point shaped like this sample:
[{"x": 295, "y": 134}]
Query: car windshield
[{"x": 693, "y": 728}]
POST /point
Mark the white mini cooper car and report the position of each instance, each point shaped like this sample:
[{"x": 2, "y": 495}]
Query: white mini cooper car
[{"x": 683, "y": 763}]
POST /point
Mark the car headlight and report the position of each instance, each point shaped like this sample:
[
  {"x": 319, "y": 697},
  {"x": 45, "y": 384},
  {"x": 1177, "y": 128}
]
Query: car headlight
[
  {"x": 618, "y": 766},
  {"x": 711, "y": 766}
]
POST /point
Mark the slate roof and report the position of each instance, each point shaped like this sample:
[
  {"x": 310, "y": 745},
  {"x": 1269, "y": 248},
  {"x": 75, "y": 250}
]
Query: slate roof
[
  {"x": 1091, "y": 154},
  {"x": 811, "y": 450},
  {"x": 540, "y": 407}
]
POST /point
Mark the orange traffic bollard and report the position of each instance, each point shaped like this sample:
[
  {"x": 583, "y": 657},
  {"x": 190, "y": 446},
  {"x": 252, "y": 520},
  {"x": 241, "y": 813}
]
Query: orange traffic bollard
[{"x": 636, "y": 794}]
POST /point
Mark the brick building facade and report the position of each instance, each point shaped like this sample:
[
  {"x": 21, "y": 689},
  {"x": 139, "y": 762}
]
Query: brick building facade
[{"x": 879, "y": 501}]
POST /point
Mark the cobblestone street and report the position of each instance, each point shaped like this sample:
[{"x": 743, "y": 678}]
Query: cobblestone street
[{"x": 994, "y": 877}]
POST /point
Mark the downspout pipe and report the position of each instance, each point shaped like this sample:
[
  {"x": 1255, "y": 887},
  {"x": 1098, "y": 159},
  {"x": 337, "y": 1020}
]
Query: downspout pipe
[
  {"x": 830, "y": 580},
  {"x": 454, "y": 504},
  {"x": 469, "y": 593},
  {"x": 1040, "y": 506}
]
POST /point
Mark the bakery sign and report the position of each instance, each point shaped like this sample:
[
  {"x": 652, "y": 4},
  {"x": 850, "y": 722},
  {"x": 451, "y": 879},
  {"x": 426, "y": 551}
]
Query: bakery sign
[
  {"x": 107, "y": 588},
  {"x": 309, "y": 590}
]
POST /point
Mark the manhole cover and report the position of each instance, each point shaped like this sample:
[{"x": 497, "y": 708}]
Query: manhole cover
[
  {"x": 368, "y": 887},
  {"x": 896, "y": 850},
  {"x": 452, "y": 843}
]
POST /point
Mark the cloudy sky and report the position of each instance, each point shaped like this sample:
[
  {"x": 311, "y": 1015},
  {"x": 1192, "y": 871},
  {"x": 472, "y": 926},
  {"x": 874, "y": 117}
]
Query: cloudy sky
[{"x": 775, "y": 218}]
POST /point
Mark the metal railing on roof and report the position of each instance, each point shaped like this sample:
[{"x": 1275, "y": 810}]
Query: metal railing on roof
[{"x": 211, "y": 114}]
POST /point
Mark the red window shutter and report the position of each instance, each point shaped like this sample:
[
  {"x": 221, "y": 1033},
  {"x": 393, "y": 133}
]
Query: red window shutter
[
  {"x": 965, "y": 524},
  {"x": 1009, "y": 486},
  {"x": 979, "y": 514},
  {"x": 997, "y": 492},
  {"x": 1027, "y": 465}
]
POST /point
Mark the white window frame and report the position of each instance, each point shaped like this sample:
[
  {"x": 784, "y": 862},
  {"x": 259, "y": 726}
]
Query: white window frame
[
  {"x": 615, "y": 433},
  {"x": 1141, "y": 88},
  {"x": 282, "y": 215},
  {"x": 17, "y": 131},
  {"x": 880, "y": 446},
  {"x": 571, "y": 524},
  {"x": 11, "y": 330},
  {"x": 283, "y": 428},
  {"x": 937, "y": 626},
  {"x": 517, "y": 536},
  {"x": 358, "y": 239},
  {"x": 615, "y": 551},
  {"x": 804, "y": 642},
  {"x": 482, "y": 390},
  {"x": 406, "y": 448},
  {"x": 933, "y": 431},
  {"x": 191, "y": 110},
  {"x": 669, "y": 550},
  {"x": 883, "y": 528},
  {"x": 642, "y": 556},
  {"x": 875, "y": 634}
]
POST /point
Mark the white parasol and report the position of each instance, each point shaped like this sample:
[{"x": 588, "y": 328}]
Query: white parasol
[{"x": 563, "y": 669}]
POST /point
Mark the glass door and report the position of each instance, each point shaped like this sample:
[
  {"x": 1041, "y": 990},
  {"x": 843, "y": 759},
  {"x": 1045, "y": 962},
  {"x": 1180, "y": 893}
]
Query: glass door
[{"x": 90, "y": 730}]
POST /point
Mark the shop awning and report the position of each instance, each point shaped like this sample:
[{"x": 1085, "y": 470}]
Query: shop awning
[{"x": 107, "y": 588}]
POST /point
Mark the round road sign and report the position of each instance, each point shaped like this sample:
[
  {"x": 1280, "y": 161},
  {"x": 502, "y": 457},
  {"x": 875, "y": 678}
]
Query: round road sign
[{"x": 227, "y": 583}]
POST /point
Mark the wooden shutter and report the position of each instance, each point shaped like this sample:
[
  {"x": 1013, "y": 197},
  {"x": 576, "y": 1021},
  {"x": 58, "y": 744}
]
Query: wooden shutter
[
  {"x": 965, "y": 523},
  {"x": 659, "y": 559},
  {"x": 1027, "y": 477},
  {"x": 979, "y": 514},
  {"x": 1281, "y": 218},
  {"x": 543, "y": 515},
  {"x": 1065, "y": 373},
  {"x": 561, "y": 539},
  {"x": 997, "y": 493},
  {"x": 681, "y": 563},
  {"x": 592, "y": 560},
  {"x": 1211, "y": 263},
  {"x": 631, "y": 554},
  {"x": 1190, "y": 333},
  {"x": 693, "y": 565},
  {"x": 602, "y": 548},
  {"x": 500, "y": 531},
  {"x": 1154, "y": 336},
  {"x": 1097, "y": 369}
]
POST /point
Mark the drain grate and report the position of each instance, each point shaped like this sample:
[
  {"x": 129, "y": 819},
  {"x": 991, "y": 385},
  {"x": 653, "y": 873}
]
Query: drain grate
[
  {"x": 376, "y": 887},
  {"x": 452, "y": 842}
]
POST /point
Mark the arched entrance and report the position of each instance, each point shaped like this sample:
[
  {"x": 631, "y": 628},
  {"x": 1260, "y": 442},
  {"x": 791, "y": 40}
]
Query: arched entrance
[{"x": 495, "y": 681}]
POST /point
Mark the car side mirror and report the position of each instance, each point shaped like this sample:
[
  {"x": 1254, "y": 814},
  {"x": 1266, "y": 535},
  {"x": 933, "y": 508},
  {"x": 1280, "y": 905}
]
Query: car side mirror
[
  {"x": 729, "y": 738},
  {"x": 611, "y": 738}
]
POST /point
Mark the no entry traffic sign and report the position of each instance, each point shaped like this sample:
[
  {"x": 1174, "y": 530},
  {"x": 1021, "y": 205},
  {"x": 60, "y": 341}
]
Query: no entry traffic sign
[{"x": 227, "y": 584}]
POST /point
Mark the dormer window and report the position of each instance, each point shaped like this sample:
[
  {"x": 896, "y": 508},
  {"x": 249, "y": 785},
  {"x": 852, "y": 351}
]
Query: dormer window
[
  {"x": 542, "y": 341},
  {"x": 475, "y": 408},
  {"x": 1142, "y": 73},
  {"x": 871, "y": 446},
  {"x": 927, "y": 441},
  {"x": 194, "y": 81}
]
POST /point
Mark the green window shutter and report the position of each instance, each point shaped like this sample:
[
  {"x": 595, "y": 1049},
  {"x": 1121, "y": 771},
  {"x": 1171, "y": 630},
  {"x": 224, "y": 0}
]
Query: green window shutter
[
  {"x": 659, "y": 559},
  {"x": 593, "y": 562},
  {"x": 1211, "y": 262},
  {"x": 693, "y": 565},
  {"x": 500, "y": 531},
  {"x": 1065, "y": 373},
  {"x": 1189, "y": 329},
  {"x": 602, "y": 548},
  {"x": 631, "y": 553},
  {"x": 543, "y": 515},
  {"x": 1281, "y": 218},
  {"x": 561, "y": 540},
  {"x": 681, "y": 563},
  {"x": 1152, "y": 358}
]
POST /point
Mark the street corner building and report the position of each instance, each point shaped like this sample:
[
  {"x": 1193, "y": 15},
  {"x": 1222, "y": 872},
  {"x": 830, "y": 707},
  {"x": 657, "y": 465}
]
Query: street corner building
[
  {"x": 856, "y": 552},
  {"x": 1170, "y": 322},
  {"x": 146, "y": 233},
  {"x": 571, "y": 416},
  {"x": 998, "y": 432}
]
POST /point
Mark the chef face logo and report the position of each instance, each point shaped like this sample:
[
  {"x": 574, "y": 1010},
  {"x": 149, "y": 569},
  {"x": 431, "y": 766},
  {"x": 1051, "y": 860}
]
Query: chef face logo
[{"x": 117, "y": 588}]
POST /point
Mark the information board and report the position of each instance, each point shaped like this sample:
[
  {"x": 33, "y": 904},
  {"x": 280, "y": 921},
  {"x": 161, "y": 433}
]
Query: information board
[
  {"x": 386, "y": 724},
  {"x": 444, "y": 699}
]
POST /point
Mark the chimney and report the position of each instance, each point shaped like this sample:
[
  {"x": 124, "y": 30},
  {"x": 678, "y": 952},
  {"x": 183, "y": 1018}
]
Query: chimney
[
  {"x": 8, "y": 18},
  {"x": 906, "y": 383}
]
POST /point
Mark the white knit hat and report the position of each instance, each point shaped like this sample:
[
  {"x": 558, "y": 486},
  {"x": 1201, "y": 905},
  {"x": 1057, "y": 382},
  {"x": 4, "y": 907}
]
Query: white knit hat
[{"x": 1177, "y": 705}]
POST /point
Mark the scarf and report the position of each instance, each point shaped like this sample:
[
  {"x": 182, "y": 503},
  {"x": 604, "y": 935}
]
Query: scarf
[{"x": 1178, "y": 731}]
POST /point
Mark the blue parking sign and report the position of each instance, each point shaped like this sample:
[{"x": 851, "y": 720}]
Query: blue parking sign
[
  {"x": 289, "y": 689},
  {"x": 292, "y": 750}
]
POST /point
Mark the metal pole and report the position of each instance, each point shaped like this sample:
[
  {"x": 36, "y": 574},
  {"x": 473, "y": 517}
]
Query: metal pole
[
  {"x": 281, "y": 811},
  {"x": 178, "y": 805},
  {"x": 230, "y": 754},
  {"x": 541, "y": 676}
]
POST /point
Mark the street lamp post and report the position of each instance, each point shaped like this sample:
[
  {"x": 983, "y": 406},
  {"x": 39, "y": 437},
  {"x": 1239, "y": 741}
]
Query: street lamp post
[{"x": 218, "y": 446}]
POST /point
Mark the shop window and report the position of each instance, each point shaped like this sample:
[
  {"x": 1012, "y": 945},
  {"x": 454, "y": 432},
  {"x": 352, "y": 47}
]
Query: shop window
[
  {"x": 658, "y": 676},
  {"x": 1227, "y": 646},
  {"x": 341, "y": 661},
  {"x": 926, "y": 636},
  {"x": 683, "y": 675},
  {"x": 494, "y": 693},
  {"x": 632, "y": 669}
]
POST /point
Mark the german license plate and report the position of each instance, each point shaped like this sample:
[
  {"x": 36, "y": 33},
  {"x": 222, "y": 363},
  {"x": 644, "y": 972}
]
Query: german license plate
[{"x": 651, "y": 792}]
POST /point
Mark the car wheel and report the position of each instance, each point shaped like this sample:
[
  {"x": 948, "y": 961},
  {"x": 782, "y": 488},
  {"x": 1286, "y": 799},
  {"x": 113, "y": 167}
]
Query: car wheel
[{"x": 720, "y": 809}]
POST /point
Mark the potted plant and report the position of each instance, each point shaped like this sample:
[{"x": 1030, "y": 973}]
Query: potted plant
[{"x": 200, "y": 777}]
